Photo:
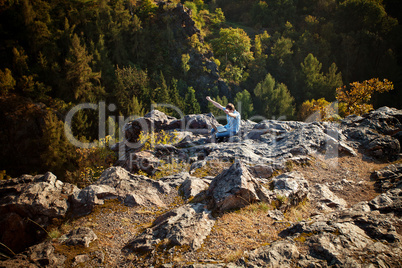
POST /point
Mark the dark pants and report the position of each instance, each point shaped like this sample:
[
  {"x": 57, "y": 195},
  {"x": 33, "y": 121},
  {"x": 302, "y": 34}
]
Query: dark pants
[{"x": 225, "y": 134}]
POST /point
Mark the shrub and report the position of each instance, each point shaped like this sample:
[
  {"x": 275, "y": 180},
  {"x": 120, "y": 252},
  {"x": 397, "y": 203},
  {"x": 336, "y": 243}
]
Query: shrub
[
  {"x": 91, "y": 163},
  {"x": 154, "y": 138},
  {"x": 355, "y": 100},
  {"x": 317, "y": 110}
]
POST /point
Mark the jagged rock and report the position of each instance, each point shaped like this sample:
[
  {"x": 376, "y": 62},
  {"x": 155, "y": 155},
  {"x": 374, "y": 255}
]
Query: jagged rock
[
  {"x": 152, "y": 121},
  {"x": 291, "y": 185},
  {"x": 172, "y": 182},
  {"x": 378, "y": 226},
  {"x": 85, "y": 200},
  {"x": 189, "y": 139},
  {"x": 306, "y": 140},
  {"x": 346, "y": 237},
  {"x": 187, "y": 225},
  {"x": 247, "y": 150},
  {"x": 40, "y": 255},
  {"x": 236, "y": 188},
  {"x": 116, "y": 182},
  {"x": 373, "y": 132},
  {"x": 280, "y": 126},
  {"x": 163, "y": 151},
  {"x": 144, "y": 161},
  {"x": 199, "y": 121},
  {"x": 27, "y": 202},
  {"x": 278, "y": 254},
  {"x": 389, "y": 201},
  {"x": 388, "y": 177},
  {"x": 82, "y": 236},
  {"x": 193, "y": 186},
  {"x": 327, "y": 198},
  {"x": 383, "y": 147}
]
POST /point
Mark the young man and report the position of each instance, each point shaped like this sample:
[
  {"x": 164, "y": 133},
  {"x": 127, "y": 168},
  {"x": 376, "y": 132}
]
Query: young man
[{"x": 233, "y": 118}]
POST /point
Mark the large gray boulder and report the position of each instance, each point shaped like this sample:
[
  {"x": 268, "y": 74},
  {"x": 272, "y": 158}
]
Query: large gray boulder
[
  {"x": 199, "y": 121},
  {"x": 152, "y": 121},
  {"x": 235, "y": 188},
  {"x": 28, "y": 203},
  {"x": 376, "y": 132},
  {"x": 187, "y": 225}
]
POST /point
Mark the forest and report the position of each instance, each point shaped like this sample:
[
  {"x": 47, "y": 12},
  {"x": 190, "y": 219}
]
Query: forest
[{"x": 277, "y": 58}]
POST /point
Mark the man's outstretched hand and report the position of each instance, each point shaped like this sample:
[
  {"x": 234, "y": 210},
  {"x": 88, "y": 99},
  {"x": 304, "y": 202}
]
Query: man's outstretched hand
[{"x": 208, "y": 98}]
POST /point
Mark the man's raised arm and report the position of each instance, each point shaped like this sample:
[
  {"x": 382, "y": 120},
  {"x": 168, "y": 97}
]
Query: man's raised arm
[{"x": 217, "y": 105}]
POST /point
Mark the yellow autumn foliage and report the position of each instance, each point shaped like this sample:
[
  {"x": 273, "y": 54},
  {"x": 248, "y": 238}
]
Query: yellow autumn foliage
[{"x": 356, "y": 98}]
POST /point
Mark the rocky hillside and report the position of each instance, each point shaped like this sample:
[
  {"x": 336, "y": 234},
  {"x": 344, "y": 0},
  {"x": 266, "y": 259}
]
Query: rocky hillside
[{"x": 280, "y": 194}]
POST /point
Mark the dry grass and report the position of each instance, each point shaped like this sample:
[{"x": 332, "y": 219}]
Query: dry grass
[
  {"x": 212, "y": 168},
  {"x": 241, "y": 230},
  {"x": 300, "y": 212},
  {"x": 356, "y": 170}
]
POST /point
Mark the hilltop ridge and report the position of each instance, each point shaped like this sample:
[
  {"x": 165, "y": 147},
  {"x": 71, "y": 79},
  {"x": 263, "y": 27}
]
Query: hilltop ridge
[{"x": 280, "y": 193}]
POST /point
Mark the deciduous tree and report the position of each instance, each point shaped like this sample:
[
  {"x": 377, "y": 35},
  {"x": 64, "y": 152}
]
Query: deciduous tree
[{"x": 356, "y": 98}]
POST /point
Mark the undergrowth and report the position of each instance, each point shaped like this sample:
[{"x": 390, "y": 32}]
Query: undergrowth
[{"x": 91, "y": 162}]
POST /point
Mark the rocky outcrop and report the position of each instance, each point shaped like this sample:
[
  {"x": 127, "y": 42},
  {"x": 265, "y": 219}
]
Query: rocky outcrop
[
  {"x": 327, "y": 200},
  {"x": 390, "y": 201},
  {"x": 118, "y": 183},
  {"x": 388, "y": 177},
  {"x": 28, "y": 204},
  {"x": 193, "y": 186},
  {"x": 40, "y": 255},
  {"x": 333, "y": 235},
  {"x": 272, "y": 142},
  {"x": 278, "y": 254},
  {"x": 235, "y": 188},
  {"x": 376, "y": 132},
  {"x": 187, "y": 225},
  {"x": 346, "y": 238},
  {"x": 152, "y": 121}
]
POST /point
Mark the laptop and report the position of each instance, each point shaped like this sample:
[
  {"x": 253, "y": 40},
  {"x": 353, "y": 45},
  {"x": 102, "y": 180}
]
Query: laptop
[{"x": 219, "y": 128}]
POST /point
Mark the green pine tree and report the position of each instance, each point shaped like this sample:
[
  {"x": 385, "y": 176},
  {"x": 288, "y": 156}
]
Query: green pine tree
[
  {"x": 191, "y": 104},
  {"x": 83, "y": 81},
  {"x": 273, "y": 99}
]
